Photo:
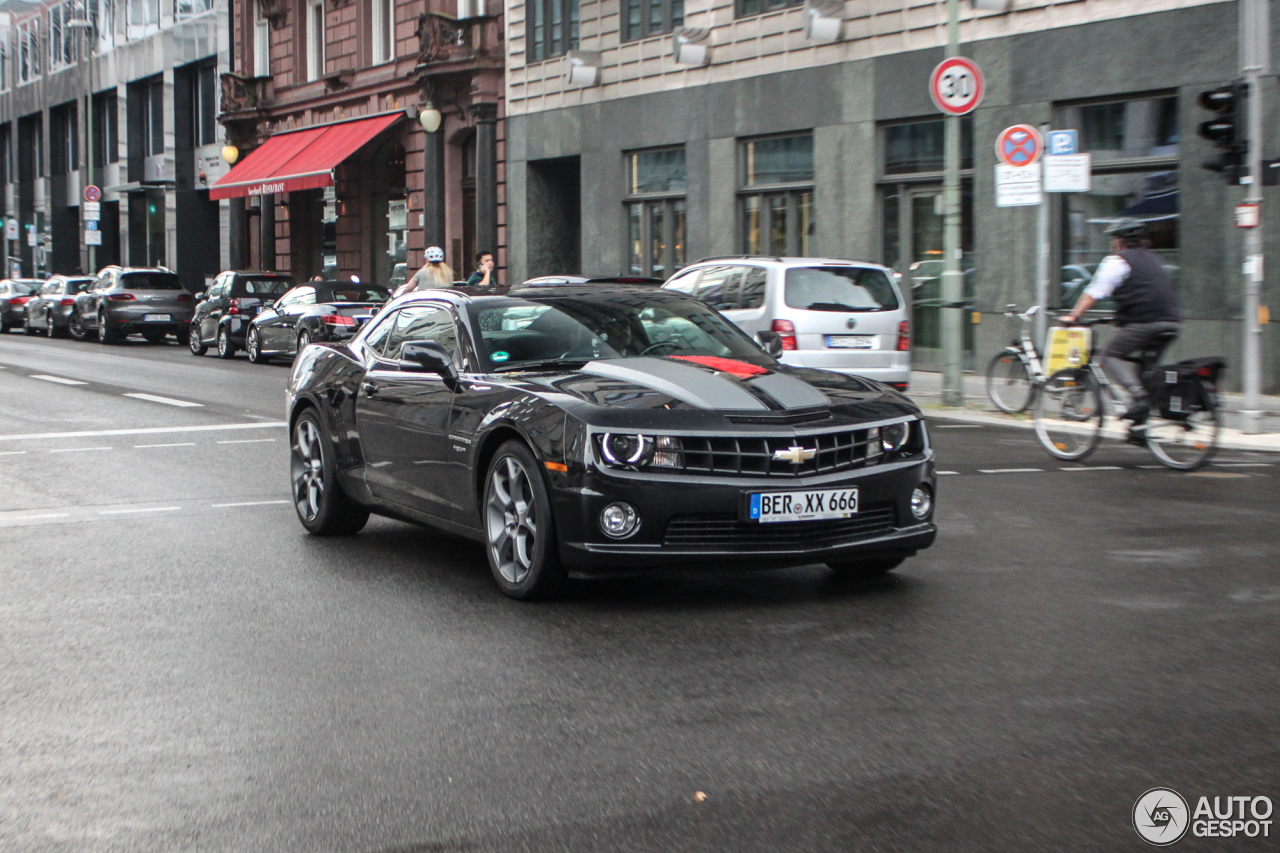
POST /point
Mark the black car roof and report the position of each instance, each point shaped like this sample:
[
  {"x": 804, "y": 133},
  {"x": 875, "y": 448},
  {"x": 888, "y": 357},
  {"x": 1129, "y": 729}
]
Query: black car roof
[{"x": 460, "y": 296}]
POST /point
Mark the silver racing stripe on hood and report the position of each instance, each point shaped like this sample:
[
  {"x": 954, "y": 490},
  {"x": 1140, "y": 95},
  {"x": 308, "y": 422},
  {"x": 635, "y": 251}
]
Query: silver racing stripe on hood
[
  {"x": 790, "y": 392},
  {"x": 693, "y": 385}
]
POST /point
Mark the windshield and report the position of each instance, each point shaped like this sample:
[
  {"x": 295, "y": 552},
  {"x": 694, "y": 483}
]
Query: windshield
[
  {"x": 261, "y": 286},
  {"x": 839, "y": 289},
  {"x": 350, "y": 293},
  {"x": 150, "y": 281},
  {"x": 526, "y": 332}
]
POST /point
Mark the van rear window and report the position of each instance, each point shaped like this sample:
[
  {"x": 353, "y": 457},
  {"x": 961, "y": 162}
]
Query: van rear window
[{"x": 839, "y": 289}]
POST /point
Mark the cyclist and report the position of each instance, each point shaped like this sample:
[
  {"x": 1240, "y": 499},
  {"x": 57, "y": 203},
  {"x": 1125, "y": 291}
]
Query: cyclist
[
  {"x": 1146, "y": 306},
  {"x": 435, "y": 273}
]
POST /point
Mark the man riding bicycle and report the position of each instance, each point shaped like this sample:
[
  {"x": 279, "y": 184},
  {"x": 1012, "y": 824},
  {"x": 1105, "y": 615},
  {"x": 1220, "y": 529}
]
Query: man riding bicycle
[{"x": 1146, "y": 307}]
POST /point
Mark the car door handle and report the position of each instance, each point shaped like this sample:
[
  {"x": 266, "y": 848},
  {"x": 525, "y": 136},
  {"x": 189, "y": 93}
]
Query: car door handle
[{"x": 369, "y": 389}]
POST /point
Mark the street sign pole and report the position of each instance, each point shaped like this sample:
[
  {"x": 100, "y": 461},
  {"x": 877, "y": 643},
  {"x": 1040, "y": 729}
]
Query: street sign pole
[
  {"x": 952, "y": 278},
  {"x": 1042, "y": 264},
  {"x": 1255, "y": 48}
]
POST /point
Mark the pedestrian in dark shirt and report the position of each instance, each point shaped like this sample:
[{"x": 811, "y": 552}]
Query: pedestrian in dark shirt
[{"x": 483, "y": 276}]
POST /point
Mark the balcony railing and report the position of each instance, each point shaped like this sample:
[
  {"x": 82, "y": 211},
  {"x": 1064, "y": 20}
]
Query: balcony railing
[{"x": 243, "y": 94}]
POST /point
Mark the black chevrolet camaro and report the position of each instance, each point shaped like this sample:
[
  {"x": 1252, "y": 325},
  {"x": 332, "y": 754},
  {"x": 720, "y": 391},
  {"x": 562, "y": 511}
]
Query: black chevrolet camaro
[{"x": 603, "y": 429}]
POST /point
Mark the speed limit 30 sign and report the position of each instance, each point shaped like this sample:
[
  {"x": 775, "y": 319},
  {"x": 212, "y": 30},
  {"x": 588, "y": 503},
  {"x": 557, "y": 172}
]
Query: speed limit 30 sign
[{"x": 956, "y": 86}]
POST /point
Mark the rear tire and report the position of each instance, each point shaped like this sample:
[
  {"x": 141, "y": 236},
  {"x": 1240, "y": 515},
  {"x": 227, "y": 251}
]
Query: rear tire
[
  {"x": 1185, "y": 445},
  {"x": 1009, "y": 383},
  {"x": 865, "y": 568},
  {"x": 75, "y": 327},
  {"x": 226, "y": 349},
  {"x": 304, "y": 340},
  {"x": 1068, "y": 414},
  {"x": 105, "y": 335},
  {"x": 198, "y": 346},
  {"x": 253, "y": 344},
  {"x": 322, "y": 506},
  {"x": 520, "y": 532}
]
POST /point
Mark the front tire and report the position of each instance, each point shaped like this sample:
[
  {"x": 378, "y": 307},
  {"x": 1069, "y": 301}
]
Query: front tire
[
  {"x": 1068, "y": 414},
  {"x": 322, "y": 506},
  {"x": 194, "y": 341},
  {"x": 253, "y": 344},
  {"x": 226, "y": 349},
  {"x": 1009, "y": 383},
  {"x": 520, "y": 534}
]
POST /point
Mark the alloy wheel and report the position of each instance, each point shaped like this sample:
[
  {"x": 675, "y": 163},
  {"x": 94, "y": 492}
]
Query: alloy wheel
[
  {"x": 511, "y": 520},
  {"x": 308, "y": 480},
  {"x": 197, "y": 348}
]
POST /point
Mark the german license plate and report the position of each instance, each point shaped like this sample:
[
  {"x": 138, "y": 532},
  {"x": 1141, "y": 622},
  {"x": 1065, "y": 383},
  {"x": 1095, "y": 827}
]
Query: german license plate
[
  {"x": 769, "y": 507},
  {"x": 156, "y": 318},
  {"x": 851, "y": 342}
]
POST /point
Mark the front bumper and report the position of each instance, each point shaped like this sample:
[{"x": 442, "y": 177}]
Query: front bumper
[{"x": 697, "y": 521}]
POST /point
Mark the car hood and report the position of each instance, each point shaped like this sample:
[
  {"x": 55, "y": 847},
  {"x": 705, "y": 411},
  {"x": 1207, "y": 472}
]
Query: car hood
[{"x": 693, "y": 390}]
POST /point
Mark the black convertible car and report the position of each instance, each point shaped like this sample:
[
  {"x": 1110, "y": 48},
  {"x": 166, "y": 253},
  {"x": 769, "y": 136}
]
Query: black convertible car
[
  {"x": 603, "y": 429},
  {"x": 314, "y": 312}
]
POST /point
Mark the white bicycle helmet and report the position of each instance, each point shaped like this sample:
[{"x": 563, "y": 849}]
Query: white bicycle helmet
[{"x": 435, "y": 255}]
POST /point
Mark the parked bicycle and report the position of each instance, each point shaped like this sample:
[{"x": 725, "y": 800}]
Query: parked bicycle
[
  {"x": 1015, "y": 374},
  {"x": 1181, "y": 431}
]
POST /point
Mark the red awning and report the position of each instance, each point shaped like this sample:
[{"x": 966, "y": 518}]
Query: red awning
[{"x": 299, "y": 160}]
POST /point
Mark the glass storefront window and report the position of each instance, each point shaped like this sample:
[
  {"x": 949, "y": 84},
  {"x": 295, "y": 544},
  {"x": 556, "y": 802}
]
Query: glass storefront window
[
  {"x": 1144, "y": 127},
  {"x": 655, "y": 210},
  {"x": 919, "y": 146},
  {"x": 751, "y": 225}
]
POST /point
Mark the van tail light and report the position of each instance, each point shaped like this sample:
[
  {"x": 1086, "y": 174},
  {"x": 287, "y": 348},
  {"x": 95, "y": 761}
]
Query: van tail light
[
  {"x": 337, "y": 320},
  {"x": 904, "y": 336},
  {"x": 235, "y": 307},
  {"x": 19, "y": 300},
  {"x": 67, "y": 302},
  {"x": 120, "y": 297},
  {"x": 786, "y": 333},
  {"x": 185, "y": 297}
]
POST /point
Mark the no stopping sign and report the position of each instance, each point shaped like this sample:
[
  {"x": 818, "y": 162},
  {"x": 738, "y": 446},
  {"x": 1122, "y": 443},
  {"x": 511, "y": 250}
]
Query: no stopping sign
[{"x": 956, "y": 86}]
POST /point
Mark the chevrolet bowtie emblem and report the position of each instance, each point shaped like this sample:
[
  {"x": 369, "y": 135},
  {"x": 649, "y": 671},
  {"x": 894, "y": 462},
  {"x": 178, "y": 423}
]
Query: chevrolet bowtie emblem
[{"x": 795, "y": 454}]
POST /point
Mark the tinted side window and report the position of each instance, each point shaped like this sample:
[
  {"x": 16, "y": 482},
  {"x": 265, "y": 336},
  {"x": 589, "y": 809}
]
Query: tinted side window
[
  {"x": 685, "y": 282},
  {"x": 718, "y": 286},
  {"x": 299, "y": 296},
  {"x": 423, "y": 323},
  {"x": 751, "y": 294},
  {"x": 376, "y": 339},
  {"x": 51, "y": 287}
]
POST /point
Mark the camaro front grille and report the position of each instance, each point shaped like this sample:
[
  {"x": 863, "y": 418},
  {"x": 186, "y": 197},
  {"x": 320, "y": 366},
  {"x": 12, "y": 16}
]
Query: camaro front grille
[
  {"x": 715, "y": 532},
  {"x": 835, "y": 451}
]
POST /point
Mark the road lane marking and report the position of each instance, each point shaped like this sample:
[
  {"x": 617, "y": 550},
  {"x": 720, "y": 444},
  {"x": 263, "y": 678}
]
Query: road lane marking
[
  {"x": 249, "y": 503},
  {"x": 245, "y": 440},
  {"x": 142, "y": 431},
  {"x": 76, "y": 449},
  {"x": 11, "y": 452},
  {"x": 144, "y": 509},
  {"x": 957, "y": 426},
  {"x": 168, "y": 401},
  {"x": 1093, "y": 468},
  {"x": 1243, "y": 464},
  {"x": 1010, "y": 470},
  {"x": 179, "y": 444},
  {"x": 944, "y": 473},
  {"x": 49, "y": 515},
  {"x": 58, "y": 379}
]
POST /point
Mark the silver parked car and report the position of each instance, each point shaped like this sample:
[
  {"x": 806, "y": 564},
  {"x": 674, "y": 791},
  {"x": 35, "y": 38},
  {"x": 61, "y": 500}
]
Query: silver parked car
[
  {"x": 825, "y": 313},
  {"x": 15, "y": 293},
  {"x": 49, "y": 308},
  {"x": 127, "y": 300}
]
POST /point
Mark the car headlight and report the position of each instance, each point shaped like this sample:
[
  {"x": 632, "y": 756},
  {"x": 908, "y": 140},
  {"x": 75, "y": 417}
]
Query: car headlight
[
  {"x": 894, "y": 436},
  {"x": 630, "y": 450}
]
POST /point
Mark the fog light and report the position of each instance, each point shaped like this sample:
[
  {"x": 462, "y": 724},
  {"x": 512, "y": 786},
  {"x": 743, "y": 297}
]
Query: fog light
[
  {"x": 619, "y": 520},
  {"x": 921, "y": 502}
]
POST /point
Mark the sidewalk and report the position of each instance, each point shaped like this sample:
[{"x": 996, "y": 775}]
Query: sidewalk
[{"x": 926, "y": 390}]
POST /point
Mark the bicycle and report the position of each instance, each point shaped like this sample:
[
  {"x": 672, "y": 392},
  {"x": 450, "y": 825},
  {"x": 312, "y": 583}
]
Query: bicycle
[
  {"x": 1181, "y": 430},
  {"x": 1015, "y": 374}
]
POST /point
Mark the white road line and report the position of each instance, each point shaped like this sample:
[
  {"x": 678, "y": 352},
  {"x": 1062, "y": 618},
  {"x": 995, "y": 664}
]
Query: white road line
[
  {"x": 1093, "y": 468},
  {"x": 168, "y": 401},
  {"x": 1010, "y": 470},
  {"x": 944, "y": 473},
  {"x": 957, "y": 426},
  {"x": 249, "y": 503},
  {"x": 143, "y": 431},
  {"x": 11, "y": 452},
  {"x": 245, "y": 440},
  {"x": 145, "y": 509},
  {"x": 57, "y": 379},
  {"x": 50, "y": 515},
  {"x": 179, "y": 444},
  {"x": 1244, "y": 464},
  {"x": 76, "y": 449}
]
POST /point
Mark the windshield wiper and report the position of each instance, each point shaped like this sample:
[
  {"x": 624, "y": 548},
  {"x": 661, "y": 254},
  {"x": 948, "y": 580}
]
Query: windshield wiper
[
  {"x": 835, "y": 306},
  {"x": 537, "y": 365}
]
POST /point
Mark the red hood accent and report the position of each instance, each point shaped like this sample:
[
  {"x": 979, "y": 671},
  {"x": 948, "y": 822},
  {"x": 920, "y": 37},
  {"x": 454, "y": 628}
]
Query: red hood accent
[{"x": 741, "y": 369}]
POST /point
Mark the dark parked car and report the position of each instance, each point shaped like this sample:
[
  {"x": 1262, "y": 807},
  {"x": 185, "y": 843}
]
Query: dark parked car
[
  {"x": 128, "y": 300},
  {"x": 14, "y": 295},
  {"x": 314, "y": 312},
  {"x": 557, "y": 280},
  {"x": 49, "y": 308},
  {"x": 223, "y": 312},
  {"x": 596, "y": 429}
]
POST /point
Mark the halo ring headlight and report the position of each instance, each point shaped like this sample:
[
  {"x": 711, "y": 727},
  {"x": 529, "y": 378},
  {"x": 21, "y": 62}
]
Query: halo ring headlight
[
  {"x": 894, "y": 436},
  {"x": 625, "y": 448}
]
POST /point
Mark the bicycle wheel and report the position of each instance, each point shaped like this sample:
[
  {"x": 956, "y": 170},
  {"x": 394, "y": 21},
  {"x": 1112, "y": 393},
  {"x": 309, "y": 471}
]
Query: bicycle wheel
[
  {"x": 1009, "y": 382},
  {"x": 1068, "y": 414},
  {"x": 1185, "y": 442}
]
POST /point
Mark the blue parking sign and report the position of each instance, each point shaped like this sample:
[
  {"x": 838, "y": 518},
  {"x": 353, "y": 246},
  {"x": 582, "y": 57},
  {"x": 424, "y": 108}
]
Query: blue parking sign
[{"x": 1061, "y": 142}]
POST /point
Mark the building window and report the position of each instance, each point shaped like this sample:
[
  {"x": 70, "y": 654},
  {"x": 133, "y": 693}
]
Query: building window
[
  {"x": 652, "y": 17},
  {"x": 4, "y": 61},
  {"x": 204, "y": 105},
  {"x": 28, "y": 50},
  {"x": 7, "y": 175},
  {"x": 315, "y": 41},
  {"x": 102, "y": 14},
  {"x": 553, "y": 28},
  {"x": 776, "y": 195},
  {"x": 1134, "y": 148},
  {"x": 62, "y": 40},
  {"x": 919, "y": 146},
  {"x": 106, "y": 132},
  {"x": 64, "y": 150},
  {"x": 261, "y": 44},
  {"x": 144, "y": 17},
  {"x": 191, "y": 8},
  {"x": 384, "y": 31},
  {"x": 153, "y": 116},
  {"x": 755, "y": 7},
  {"x": 656, "y": 212}
]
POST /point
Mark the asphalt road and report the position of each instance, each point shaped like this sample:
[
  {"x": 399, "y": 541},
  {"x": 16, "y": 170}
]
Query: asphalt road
[{"x": 181, "y": 668}]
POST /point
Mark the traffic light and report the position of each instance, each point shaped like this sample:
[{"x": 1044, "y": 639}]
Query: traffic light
[{"x": 1226, "y": 130}]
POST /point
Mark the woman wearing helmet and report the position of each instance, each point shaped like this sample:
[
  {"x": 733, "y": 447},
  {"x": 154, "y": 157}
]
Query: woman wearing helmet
[{"x": 435, "y": 273}]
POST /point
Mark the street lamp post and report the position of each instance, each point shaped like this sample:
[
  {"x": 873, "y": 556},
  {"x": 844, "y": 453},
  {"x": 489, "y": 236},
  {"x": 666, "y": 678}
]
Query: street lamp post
[{"x": 85, "y": 25}]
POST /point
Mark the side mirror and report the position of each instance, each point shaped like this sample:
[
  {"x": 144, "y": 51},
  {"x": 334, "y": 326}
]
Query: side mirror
[
  {"x": 428, "y": 357},
  {"x": 770, "y": 342},
  {"x": 200, "y": 296}
]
